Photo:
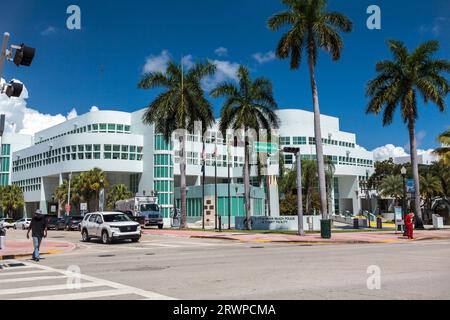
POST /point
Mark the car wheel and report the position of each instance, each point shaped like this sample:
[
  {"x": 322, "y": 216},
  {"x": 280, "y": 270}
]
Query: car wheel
[
  {"x": 23, "y": 227},
  {"x": 15, "y": 227},
  {"x": 160, "y": 226},
  {"x": 85, "y": 236},
  {"x": 105, "y": 237}
]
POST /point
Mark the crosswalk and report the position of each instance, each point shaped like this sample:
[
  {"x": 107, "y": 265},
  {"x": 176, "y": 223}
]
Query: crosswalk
[
  {"x": 23, "y": 280},
  {"x": 143, "y": 245}
]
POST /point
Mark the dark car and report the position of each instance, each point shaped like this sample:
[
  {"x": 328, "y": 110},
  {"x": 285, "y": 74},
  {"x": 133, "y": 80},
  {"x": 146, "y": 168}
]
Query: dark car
[
  {"x": 69, "y": 223},
  {"x": 51, "y": 222}
]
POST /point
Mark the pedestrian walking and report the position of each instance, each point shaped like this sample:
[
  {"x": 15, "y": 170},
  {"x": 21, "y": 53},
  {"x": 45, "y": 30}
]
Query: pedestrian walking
[
  {"x": 410, "y": 225},
  {"x": 38, "y": 228}
]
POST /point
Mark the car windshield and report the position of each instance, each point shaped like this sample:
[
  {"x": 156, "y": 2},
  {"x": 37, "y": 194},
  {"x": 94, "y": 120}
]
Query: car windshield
[
  {"x": 149, "y": 207},
  {"x": 119, "y": 217}
]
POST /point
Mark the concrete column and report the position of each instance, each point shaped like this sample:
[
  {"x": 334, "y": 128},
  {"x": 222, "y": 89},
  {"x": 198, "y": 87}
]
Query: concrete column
[
  {"x": 274, "y": 197},
  {"x": 43, "y": 202}
]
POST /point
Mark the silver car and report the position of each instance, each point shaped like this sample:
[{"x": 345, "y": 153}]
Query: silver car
[
  {"x": 23, "y": 223},
  {"x": 109, "y": 226}
]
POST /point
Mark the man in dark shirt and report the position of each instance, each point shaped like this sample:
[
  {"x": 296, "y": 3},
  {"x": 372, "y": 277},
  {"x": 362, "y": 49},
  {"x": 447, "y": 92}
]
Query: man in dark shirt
[{"x": 38, "y": 228}]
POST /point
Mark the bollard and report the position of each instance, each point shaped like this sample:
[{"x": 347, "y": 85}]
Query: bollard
[{"x": 220, "y": 223}]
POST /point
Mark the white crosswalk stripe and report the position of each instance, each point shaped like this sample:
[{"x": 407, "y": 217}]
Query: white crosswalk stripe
[{"x": 54, "y": 290}]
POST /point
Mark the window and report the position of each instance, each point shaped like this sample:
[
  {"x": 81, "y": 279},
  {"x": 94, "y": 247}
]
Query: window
[
  {"x": 107, "y": 155},
  {"x": 120, "y": 127},
  {"x": 132, "y": 148},
  {"x": 124, "y": 148},
  {"x": 102, "y": 127},
  {"x": 116, "y": 147},
  {"x": 124, "y": 156},
  {"x": 116, "y": 155},
  {"x": 299, "y": 140},
  {"x": 88, "y": 147},
  {"x": 285, "y": 141},
  {"x": 111, "y": 127},
  {"x": 96, "y": 147},
  {"x": 80, "y": 148},
  {"x": 107, "y": 147},
  {"x": 96, "y": 155}
]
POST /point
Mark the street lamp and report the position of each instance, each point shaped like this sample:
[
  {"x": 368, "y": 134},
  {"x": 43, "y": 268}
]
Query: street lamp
[{"x": 403, "y": 172}]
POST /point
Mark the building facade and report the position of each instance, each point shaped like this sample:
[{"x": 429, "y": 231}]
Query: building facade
[
  {"x": 10, "y": 143},
  {"x": 133, "y": 154}
]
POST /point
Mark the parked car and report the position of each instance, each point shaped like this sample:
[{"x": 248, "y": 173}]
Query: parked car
[
  {"x": 69, "y": 223},
  {"x": 51, "y": 222},
  {"x": 109, "y": 226},
  {"x": 153, "y": 219},
  {"x": 6, "y": 223},
  {"x": 23, "y": 223}
]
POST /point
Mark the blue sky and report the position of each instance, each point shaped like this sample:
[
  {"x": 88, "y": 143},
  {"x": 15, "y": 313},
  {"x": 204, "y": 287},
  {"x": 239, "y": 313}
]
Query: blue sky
[{"x": 101, "y": 64}]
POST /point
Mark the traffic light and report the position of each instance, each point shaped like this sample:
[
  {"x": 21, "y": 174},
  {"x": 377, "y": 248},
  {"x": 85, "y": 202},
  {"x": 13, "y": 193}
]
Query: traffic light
[
  {"x": 24, "y": 56},
  {"x": 13, "y": 89},
  {"x": 291, "y": 150}
]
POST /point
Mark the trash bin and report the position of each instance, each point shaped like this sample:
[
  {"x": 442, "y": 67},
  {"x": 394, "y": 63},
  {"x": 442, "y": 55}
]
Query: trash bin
[
  {"x": 379, "y": 223},
  {"x": 356, "y": 223},
  {"x": 325, "y": 229},
  {"x": 438, "y": 222},
  {"x": 2, "y": 238}
]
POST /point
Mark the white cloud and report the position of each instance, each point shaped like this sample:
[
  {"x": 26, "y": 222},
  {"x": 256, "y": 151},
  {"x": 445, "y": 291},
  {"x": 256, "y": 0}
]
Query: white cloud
[
  {"x": 72, "y": 114},
  {"x": 48, "y": 31},
  {"x": 225, "y": 71},
  {"x": 439, "y": 24},
  {"x": 221, "y": 52},
  {"x": 157, "y": 63},
  {"x": 188, "y": 61},
  {"x": 94, "y": 109},
  {"x": 264, "y": 57},
  {"x": 22, "y": 119},
  {"x": 388, "y": 151}
]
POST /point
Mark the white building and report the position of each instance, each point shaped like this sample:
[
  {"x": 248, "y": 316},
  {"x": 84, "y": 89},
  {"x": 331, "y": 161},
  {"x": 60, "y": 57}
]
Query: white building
[
  {"x": 132, "y": 154},
  {"x": 424, "y": 158},
  {"x": 10, "y": 143}
]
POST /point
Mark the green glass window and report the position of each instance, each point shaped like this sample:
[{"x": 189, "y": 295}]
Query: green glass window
[
  {"x": 88, "y": 147},
  {"x": 127, "y": 128},
  {"x": 107, "y": 155},
  {"x": 97, "y": 147},
  {"x": 111, "y": 127},
  {"x": 116, "y": 147},
  {"x": 102, "y": 127},
  {"x": 96, "y": 155},
  {"x": 285, "y": 141},
  {"x": 124, "y": 156},
  {"x": 120, "y": 127},
  {"x": 107, "y": 147},
  {"x": 116, "y": 155},
  {"x": 95, "y": 127},
  {"x": 124, "y": 148},
  {"x": 132, "y": 148}
]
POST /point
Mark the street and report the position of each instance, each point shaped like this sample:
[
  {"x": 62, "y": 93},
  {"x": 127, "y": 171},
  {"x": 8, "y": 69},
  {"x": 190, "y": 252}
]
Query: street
[{"x": 163, "y": 267}]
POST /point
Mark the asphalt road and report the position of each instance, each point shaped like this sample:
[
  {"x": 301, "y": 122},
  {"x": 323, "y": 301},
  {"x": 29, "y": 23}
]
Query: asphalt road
[{"x": 180, "y": 268}]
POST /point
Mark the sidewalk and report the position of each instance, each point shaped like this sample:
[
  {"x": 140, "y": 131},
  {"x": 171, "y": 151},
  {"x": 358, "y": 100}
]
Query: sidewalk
[
  {"x": 311, "y": 238},
  {"x": 23, "y": 248}
]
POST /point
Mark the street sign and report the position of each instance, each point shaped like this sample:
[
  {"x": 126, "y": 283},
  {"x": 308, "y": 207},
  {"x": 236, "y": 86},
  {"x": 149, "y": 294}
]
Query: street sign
[
  {"x": 266, "y": 147},
  {"x": 83, "y": 206},
  {"x": 410, "y": 186}
]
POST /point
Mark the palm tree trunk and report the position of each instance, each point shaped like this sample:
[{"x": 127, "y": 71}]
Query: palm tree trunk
[
  {"x": 183, "y": 192},
  {"x": 247, "y": 188},
  {"x": 319, "y": 145},
  {"x": 415, "y": 169}
]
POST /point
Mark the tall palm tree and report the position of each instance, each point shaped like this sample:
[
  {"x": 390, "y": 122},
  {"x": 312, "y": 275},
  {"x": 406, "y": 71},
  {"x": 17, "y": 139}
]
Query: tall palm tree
[
  {"x": 11, "y": 199},
  {"x": 250, "y": 106},
  {"x": 311, "y": 28},
  {"x": 116, "y": 193},
  {"x": 179, "y": 106},
  {"x": 399, "y": 82},
  {"x": 444, "y": 151}
]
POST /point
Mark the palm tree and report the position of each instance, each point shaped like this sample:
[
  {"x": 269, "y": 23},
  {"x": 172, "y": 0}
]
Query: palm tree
[
  {"x": 248, "y": 106},
  {"x": 399, "y": 83},
  {"x": 11, "y": 199},
  {"x": 444, "y": 151},
  {"x": 311, "y": 28},
  {"x": 93, "y": 181},
  {"x": 309, "y": 182},
  {"x": 392, "y": 186},
  {"x": 430, "y": 187},
  {"x": 116, "y": 193},
  {"x": 179, "y": 106}
]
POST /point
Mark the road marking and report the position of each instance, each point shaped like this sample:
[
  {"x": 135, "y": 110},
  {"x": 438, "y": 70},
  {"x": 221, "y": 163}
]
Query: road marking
[
  {"x": 22, "y": 272},
  {"x": 115, "y": 289},
  {"x": 31, "y": 279},
  {"x": 83, "y": 295},
  {"x": 47, "y": 288}
]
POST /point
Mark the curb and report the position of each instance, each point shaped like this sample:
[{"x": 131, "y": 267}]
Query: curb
[{"x": 21, "y": 255}]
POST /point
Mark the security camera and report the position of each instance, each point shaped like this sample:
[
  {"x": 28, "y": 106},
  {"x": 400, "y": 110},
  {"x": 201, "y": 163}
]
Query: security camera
[{"x": 12, "y": 89}]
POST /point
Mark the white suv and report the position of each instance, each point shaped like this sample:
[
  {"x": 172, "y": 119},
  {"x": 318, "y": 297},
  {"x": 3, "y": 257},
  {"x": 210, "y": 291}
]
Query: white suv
[
  {"x": 6, "y": 223},
  {"x": 22, "y": 224},
  {"x": 109, "y": 226}
]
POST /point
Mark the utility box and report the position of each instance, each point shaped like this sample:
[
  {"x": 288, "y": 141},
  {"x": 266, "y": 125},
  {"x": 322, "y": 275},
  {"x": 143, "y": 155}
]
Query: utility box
[
  {"x": 2, "y": 242},
  {"x": 438, "y": 222}
]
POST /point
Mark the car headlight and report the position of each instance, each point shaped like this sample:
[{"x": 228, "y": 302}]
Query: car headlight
[{"x": 115, "y": 229}]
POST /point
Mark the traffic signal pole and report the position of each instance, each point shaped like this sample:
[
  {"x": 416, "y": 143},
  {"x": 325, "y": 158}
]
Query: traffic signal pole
[
  {"x": 301, "y": 231},
  {"x": 3, "y": 52}
]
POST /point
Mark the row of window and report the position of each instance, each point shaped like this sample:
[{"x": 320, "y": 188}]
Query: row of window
[
  {"x": 286, "y": 141},
  {"x": 94, "y": 128},
  {"x": 29, "y": 185},
  {"x": 289, "y": 159},
  {"x": 4, "y": 164},
  {"x": 6, "y": 150}
]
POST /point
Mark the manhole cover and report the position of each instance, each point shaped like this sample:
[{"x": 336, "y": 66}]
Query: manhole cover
[{"x": 106, "y": 255}]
